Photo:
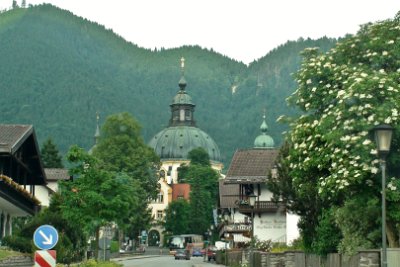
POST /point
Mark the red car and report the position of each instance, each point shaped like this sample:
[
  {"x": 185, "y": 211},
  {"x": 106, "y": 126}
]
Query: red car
[{"x": 211, "y": 253}]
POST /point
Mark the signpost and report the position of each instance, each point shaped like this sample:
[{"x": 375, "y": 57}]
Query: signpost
[
  {"x": 45, "y": 238},
  {"x": 45, "y": 258}
]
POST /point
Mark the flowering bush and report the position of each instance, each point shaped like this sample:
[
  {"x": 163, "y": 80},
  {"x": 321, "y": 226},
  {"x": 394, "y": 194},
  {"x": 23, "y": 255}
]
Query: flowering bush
[{"x": 344, "y": 93}]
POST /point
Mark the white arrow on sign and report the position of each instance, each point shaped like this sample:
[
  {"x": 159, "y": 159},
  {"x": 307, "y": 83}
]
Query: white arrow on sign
[{"x": 48, "y": 240}]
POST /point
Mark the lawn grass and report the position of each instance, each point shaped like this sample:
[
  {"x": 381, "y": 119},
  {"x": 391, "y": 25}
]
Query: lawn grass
[{"x": 5, "y": 253}]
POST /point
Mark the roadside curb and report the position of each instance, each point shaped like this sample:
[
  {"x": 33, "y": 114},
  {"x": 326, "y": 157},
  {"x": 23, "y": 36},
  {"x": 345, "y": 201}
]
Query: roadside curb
[{"x": 134, "y": 257}]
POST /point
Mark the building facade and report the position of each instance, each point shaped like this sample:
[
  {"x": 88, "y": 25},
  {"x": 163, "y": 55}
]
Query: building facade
[{"x": 246, "y": 178}]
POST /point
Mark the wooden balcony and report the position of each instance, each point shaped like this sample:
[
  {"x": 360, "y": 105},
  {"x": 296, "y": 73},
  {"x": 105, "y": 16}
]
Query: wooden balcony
[{"x": 262, "y": 207}]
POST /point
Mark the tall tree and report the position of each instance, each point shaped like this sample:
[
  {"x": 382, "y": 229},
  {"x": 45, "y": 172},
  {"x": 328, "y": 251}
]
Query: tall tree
[
  {"x": 203, "y": 182},
  {"x": 331, "y": 165},
  {"x": 96, "y": 197},
  {"x": 122, "y": 149},
  {"x": 50, "y": 155},
  {"x": 177, "y": 217}
]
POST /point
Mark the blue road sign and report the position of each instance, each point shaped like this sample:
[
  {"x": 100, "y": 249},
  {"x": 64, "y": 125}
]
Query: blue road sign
[{"x": 45, "y": 237}]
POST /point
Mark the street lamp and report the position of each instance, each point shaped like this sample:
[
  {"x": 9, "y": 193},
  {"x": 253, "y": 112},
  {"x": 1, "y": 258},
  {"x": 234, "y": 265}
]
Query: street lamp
[
  {"x": 383, "y": 139},
  {"x": 252, "y": 202}
]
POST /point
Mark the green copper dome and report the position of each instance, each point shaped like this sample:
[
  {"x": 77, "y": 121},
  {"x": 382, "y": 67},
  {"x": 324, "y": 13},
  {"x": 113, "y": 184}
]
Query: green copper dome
[
  {"x": 182, "y": 135},
  {"x": 177, "y": 142},
  {"x": 264, "y": 140}
]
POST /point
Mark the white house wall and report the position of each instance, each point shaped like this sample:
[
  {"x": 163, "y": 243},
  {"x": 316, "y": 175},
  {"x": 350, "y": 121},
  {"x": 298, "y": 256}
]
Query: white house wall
[
  {"x": 266, "y": 195},
  {"x": 270, "y": 226},
  {"x": 43, "y": 195}
]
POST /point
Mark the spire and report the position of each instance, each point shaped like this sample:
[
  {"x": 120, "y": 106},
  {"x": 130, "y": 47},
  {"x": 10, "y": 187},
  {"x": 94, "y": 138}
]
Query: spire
[
  {"x": 264, "y": 126},
  {"x": 264, "y": 140},
  {"x": 182, "y": 81},
  {"x": 182, "y": 107},
  {"x": 97, "y": 133}
]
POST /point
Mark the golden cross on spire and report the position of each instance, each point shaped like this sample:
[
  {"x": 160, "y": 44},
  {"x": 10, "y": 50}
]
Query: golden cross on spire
[{"x": 183, "y": 65}]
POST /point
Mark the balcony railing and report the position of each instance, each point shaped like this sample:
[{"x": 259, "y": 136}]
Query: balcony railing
[{"x": 262, "y": 206}]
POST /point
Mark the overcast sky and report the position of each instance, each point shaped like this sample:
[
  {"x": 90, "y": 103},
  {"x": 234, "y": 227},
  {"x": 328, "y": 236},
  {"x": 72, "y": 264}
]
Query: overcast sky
[{"x": 241, "y": 29}]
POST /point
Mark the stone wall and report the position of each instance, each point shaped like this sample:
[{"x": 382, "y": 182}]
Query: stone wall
[
  {"x": 368, "y": 258},
  {"x": 17, "y": 261}
]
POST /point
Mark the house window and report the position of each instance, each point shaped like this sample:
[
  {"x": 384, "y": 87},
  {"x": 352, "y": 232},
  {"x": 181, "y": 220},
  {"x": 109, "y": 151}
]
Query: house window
[
  {"x": 160, "y": 197},
  {"x": 159, "y": 214},
  {"x": 169, "y": 170}
]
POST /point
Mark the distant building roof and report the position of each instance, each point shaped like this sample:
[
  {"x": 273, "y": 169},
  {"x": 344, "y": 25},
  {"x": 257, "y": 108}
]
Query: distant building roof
[
  {"x": 18, "y": 143},
  {"x": 251, "y": 165},
  {"x": 56, "y": 174},
  {"x": 12, "y": 136}
]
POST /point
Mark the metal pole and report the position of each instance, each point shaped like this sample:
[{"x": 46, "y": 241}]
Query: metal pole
[
  {"x": 252, "y": 237},
  {"x": 384, "y": 257}
]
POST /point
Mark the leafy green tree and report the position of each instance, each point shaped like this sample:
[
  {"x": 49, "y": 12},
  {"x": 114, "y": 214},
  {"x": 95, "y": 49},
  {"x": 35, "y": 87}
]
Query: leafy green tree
[
  {"x": 96, "y": 197},
  {"x": 122, "y": 149},
  {"x": 331, "y": 163},
  {"x": 199, "y": 156},
  {"x": 50, "y": 155},
  {"x": 177, "y": 217},
  {"x": 203, "y": 182}
]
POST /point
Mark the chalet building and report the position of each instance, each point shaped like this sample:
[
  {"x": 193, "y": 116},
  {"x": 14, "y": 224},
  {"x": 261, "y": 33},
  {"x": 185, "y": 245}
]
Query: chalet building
[
  {"x": 53, "y": 175},
  {"x": 246, "y": 178},
  {"x": 20, "y": 171},
  {"x": 172, "y": 145}
]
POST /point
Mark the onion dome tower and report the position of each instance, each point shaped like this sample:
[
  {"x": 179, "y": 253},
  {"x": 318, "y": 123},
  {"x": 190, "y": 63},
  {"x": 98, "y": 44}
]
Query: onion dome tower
[
  {"x": 264, "y": 140},
  {"x": 182, "y": 135}
]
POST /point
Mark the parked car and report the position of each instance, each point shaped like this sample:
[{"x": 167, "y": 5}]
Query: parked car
[
  {"x": 182, "y": 254},
  {"x": 197, "y": 252},
  {"x": 211, "y": 253}
]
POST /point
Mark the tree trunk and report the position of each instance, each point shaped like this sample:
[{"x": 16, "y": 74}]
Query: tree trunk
[{"x": 392, "y": 238}]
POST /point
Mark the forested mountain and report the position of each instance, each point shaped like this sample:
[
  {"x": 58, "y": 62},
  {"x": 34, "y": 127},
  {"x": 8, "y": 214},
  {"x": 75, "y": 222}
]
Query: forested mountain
[{"x": 57, "y": 70}]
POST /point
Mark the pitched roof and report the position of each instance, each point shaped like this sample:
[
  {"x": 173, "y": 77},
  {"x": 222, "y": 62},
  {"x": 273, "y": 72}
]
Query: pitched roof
[
  {"x": 12, "y": 136},
  {"x": 16, "y": 141},
  {"x": 56, "y": 174},
  {"x": 251, "y": 165}
]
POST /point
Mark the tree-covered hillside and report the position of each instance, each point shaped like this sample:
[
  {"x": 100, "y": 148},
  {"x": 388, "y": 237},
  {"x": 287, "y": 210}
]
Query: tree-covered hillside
[{"x": 57, "y": 70}]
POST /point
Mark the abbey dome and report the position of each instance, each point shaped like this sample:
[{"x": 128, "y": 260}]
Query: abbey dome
[
  {"x": 181, "y": 136},
  {"x": 177, "y": 142}
]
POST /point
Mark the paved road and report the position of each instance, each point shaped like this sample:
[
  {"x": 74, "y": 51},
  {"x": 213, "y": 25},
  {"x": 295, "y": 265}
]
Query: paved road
[{"x": 163, "y": 261}]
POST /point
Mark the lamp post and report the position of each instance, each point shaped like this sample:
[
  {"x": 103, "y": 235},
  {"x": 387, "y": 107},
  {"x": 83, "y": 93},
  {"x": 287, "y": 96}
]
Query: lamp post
[
  {"x": 383, "y": 139},
  {"x": 252, "y": 200}
]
